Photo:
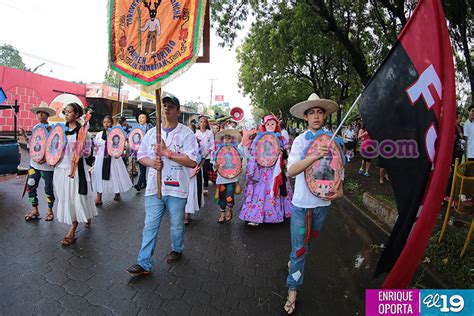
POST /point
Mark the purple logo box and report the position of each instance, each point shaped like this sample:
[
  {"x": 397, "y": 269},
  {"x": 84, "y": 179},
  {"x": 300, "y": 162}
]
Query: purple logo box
[{"x": 392, "y": 302}]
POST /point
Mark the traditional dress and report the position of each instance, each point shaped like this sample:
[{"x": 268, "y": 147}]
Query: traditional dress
[
  {"x": 110, "y": 174},
  {"x": 195, "y": 197},
  {"x": 207, "y": 144},
  {"x": 74, "y": 195},
  {"x": 264, "y": 201}
]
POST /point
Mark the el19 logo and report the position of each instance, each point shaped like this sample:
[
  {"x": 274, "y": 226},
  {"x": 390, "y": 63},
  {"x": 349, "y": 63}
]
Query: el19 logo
[
  {"x": 456, "y": 302},
  {"x": 447, "y": 302}
]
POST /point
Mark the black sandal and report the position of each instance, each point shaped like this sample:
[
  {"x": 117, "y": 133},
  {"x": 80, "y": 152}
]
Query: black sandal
[
  {"x": 49, "y": 217},
  {"x": 32, "y": 216}
]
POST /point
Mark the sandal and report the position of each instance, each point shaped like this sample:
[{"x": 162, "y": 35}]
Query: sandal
[
  {"x": 290, "y": 306},
  {"x": 68, "y": 241},
  {"x": 88, "y": 223},
  {"x": 186, "y": 221},
  {"x": 221, "y": 219},
  {"x": 32, "y": 216},
  {"x": 49, "y": 217},
  {"x": 98, "y": 203},
  {"x": 117, "y": 197},
  {"x": 228, "y": 215}
]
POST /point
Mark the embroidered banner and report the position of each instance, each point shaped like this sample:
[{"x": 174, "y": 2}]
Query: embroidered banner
[{"x": 154, "y": 41}]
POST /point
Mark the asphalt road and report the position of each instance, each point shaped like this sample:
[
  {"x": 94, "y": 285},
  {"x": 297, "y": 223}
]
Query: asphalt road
[{"x": 226, "y": 269}]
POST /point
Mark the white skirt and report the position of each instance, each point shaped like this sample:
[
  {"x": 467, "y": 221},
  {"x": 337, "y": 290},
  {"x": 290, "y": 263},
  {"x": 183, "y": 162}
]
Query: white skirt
[
  {"x": 72, "y": 206},
  {"x": 119, "y": 179},
  {"x": 192, "y": 204}
]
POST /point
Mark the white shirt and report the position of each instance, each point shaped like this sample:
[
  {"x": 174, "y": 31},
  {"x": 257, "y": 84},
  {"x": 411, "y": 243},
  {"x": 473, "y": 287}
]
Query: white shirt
[
  {"x": 469, "y": 133},
  {"x": 349, "y": 135},
  {"x": 152, "y": 26},
  {"x": 174, "y": 177},
  {"x": 44, "y": 166},
  {"x": 302, "y": 196},
  {"x": 65, "y": 162},
  {"x": 207, "y": 142}
]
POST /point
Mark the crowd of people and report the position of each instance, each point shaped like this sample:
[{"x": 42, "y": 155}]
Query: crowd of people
[{"x": 192, "y": 157}]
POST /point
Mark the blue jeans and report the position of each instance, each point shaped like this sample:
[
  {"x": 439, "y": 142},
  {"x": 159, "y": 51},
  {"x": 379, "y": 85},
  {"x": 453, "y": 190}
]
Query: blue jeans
[
  {"x": 305, "y": 225},
  {"x": 154, "y": 210}
]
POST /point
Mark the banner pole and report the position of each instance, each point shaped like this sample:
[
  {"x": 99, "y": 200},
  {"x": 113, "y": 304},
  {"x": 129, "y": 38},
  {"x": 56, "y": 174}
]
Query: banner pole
[
  {"x": 345, "y": 118},
  {"x": 158, "y": 138}
]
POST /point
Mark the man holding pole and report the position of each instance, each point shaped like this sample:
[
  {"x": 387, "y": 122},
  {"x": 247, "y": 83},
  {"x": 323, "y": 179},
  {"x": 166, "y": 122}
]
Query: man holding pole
[{"x": 177, "y": 153}]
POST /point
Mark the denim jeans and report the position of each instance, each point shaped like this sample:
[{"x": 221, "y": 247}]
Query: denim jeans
[
  {"x": 34, "y": 177},
  {"x": 300, "y": 237},
  {"x": 226, "y": 195},
  {"x": 154, "y": 210}
]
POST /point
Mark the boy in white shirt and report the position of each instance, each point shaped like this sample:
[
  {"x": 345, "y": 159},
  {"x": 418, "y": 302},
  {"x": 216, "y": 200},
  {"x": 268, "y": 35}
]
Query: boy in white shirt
[
  {"x": 307, "y": 209},
  {"x": 178, "y": 153}
]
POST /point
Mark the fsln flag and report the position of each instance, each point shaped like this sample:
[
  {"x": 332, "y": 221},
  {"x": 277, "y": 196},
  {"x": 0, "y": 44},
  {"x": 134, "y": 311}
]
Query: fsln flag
[
  {"x": 408, "y": 108},
  {"x": 153, "y": 41}
]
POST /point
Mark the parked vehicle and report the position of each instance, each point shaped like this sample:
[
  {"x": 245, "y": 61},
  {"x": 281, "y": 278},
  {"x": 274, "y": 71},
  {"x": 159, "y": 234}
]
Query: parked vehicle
[
  {"x": 9, "y": 150},
  {"x": 9, "y": 155}
]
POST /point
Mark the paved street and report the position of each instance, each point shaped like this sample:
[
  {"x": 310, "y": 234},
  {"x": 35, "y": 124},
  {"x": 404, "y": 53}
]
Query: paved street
[{"x": 226, "y": 269}]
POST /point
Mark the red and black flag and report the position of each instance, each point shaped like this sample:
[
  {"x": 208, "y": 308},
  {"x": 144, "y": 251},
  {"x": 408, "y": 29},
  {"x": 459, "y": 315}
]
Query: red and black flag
[{"x": 408, "y": 108}]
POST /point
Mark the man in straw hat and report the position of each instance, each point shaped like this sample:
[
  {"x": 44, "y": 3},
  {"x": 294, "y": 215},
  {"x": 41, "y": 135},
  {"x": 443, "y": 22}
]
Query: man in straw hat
[
  {"x": 308, "y": 212},
  {"x": 40, "y": 170}
]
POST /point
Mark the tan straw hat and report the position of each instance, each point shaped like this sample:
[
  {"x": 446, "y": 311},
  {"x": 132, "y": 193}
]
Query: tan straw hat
[
  {"x": 229, "y": 132},
  {"x": 43, "y": 107},
  {"x": 314, "y": 101}
]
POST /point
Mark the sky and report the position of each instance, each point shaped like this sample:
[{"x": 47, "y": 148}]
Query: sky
[{"x": 71, "y": 38}]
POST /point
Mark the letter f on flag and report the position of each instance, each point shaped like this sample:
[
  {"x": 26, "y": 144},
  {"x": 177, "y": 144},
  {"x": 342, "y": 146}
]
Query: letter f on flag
[{"x": 412, "y": 97}]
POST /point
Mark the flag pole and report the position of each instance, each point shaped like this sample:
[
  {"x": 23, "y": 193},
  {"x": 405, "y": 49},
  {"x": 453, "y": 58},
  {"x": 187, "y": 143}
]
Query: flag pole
[
  {"x": 345, "y": 118},
  {"x": 158, "y": 138}
]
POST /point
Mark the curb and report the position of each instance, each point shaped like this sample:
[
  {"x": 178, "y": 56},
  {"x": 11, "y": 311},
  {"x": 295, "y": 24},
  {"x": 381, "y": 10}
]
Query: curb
[{"x": 432, "y": 277}]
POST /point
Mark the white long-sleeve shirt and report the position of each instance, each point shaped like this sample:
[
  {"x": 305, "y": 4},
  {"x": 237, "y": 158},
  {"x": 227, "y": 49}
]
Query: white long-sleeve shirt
[{"x": 174, "y": 177}]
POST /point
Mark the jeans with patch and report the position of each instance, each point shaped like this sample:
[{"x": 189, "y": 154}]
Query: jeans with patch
[
  {"x": 34, "y": 177},
  {"x": 155, "y": 208},
  {"x": 305, "y": 225},
  {"x": 226, "y": 195}
]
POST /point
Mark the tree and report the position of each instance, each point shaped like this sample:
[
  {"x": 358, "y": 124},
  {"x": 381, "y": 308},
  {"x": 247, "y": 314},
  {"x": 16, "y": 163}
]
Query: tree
[
  {"x": 366, "y": 30},
  {"x": 220, "y": 110},
  {"x": 10, "y": 57},
  {"x": 285, "y": 58},
  {"x": 112, "y": 78}
]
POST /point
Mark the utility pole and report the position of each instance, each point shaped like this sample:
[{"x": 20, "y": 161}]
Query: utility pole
[{"x": 212, "y": 88}]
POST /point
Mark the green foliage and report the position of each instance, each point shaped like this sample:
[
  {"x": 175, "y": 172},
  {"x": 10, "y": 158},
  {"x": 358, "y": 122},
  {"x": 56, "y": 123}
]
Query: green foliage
[
  {"x": 112, "y": 78},
  {"x": 444, "y": 258},
  {"x": 10, "y": 57},
  {"x": 285, "y": 58},
  {"x": 222, "y": 110},
  {"x": 362, "y": 30}
]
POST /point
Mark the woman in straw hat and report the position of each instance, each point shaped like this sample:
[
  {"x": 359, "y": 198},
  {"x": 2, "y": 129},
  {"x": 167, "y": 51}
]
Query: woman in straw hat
[
  {"x": 40, "y": 170},
  {"x": 308, "y": 212}
]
